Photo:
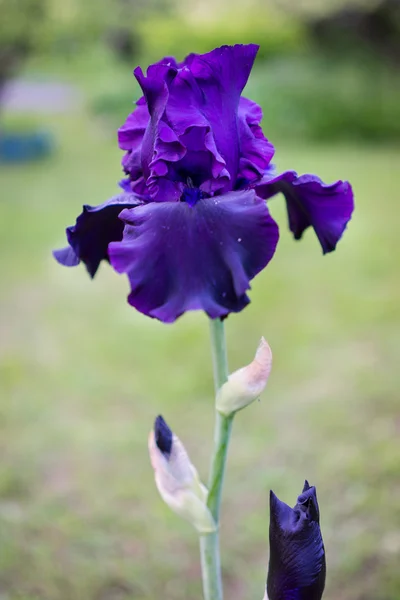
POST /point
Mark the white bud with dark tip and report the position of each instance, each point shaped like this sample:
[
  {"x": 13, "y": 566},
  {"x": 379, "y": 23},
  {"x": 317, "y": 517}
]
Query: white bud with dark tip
[
  {"x": 177, "y": 479},
  {"x": 246, "y": 384}
]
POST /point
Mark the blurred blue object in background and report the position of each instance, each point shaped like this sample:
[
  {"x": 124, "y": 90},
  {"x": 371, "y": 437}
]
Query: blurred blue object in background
[{"x": 17, "y": 147}]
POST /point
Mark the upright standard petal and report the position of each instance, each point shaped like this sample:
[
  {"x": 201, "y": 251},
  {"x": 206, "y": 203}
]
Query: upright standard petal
[
  {"x": 160, "y": 146},
  {"x": 222, "y": 75},
  {"x": 187, "y": 126},
  {"x": 311, "y": 202},
  {"x": 95, "y": 228},
  {"x": 186, "y": 113},
  {"x": 297, "y": 566},
  {"x": 181, "y": 257}
]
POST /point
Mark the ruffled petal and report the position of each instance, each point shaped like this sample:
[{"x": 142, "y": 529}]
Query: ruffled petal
[
  {"x": 297, "y": 566},
  {"x": 185, "y": 112},
  {"x": 130, "y": 135},
  {"x": 160, "y": 145},
  {"x": 95, "y": 228},
  {"x": 311, "y": 202},
  {"x": 189, "y": 128},
  {"x": 180, "y": 257},
  {"x": 256, "y": 151},
  {"x": 130, "y": 138},
  {"x": 221, "y": 75}
]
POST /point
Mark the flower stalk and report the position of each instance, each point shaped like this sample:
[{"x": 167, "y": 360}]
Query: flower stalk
[{"x": 209, "y": 543}]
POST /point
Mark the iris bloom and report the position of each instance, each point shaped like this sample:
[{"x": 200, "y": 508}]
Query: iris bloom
[
  {"x": 191, "y": 227},
  {"x": 297, "y": 555}
]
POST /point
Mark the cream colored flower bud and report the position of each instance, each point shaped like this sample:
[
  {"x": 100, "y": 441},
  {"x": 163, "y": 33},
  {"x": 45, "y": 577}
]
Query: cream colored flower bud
[
  {"x": 177, "y": 479},
  {"x": 245, "y": 385}
]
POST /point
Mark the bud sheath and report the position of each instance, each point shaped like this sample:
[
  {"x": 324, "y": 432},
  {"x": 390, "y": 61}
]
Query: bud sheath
[
  {"x": 177, "y": 479},
  {"x": 245, "y": 385}
]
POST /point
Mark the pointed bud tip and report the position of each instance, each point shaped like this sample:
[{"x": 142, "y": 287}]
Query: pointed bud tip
[
  {"x": 308, "y": 502},
  {"x": 264, "y": 347},
  {"x": 279, "y": 510},
  {"x": 163, "y": 436},
  {"x": 264, "y": 356}
]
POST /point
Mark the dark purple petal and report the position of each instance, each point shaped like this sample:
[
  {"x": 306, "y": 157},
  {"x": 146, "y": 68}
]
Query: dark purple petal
[
  {"x": 95, "y": 228},
  {"x": 311, "y": 202},
  {"x": 297, "y": 567},
  {"x": 256, "y": 151},
  {"x": 180, "y": 257}
]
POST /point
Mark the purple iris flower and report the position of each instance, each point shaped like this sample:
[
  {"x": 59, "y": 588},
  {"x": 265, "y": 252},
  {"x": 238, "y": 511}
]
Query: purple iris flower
[
  {"x": 297, "y": 566},
  {"x": 192, "y": 227}
]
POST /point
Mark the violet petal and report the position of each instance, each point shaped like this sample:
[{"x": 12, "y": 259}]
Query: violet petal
[
  {"x": 180, "y": 257},
  {"x": 311, "y": 202}
]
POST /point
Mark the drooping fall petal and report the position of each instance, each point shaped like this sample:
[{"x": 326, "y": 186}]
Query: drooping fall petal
[{"x": 180, "y": 257}]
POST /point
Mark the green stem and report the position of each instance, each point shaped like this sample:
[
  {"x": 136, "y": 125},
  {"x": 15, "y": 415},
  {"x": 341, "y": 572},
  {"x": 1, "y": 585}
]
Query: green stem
[
  {"x": 218, "y": 352},
  {"x": 223, "y": 428},
  {"x": 209, "y": 544},
  {"x": 211, "y": 566}
]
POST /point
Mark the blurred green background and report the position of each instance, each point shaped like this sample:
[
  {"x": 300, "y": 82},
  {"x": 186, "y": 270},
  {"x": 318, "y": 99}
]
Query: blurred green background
[{"x": 82, "y": 375}]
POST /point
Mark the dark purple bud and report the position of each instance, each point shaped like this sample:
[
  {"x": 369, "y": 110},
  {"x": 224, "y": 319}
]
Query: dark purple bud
[
  {"x": 163, "y": 436},
  {"x": 297, "y": 566}
]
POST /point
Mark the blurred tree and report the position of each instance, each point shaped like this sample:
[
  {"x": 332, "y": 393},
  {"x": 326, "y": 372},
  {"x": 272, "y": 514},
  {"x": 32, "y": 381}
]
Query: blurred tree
[
  {"x": 350, "y": 26},
  {"x": 20, "y": 25},
  {"x": 122, "y": 34},
  {"x": 373, "y": 28}
]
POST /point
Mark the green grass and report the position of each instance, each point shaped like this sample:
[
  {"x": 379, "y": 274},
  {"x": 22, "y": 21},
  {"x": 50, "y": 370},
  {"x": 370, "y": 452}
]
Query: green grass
[{"x": 82, "y": 376}]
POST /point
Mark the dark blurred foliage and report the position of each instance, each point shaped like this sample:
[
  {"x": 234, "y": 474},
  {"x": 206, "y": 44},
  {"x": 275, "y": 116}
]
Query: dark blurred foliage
[
  {"x": 374, "y": 29},
  {"x": 66, "y": 28},
  {"x": 121, "y": 34},
  {"x": 20, "y": 24}
]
